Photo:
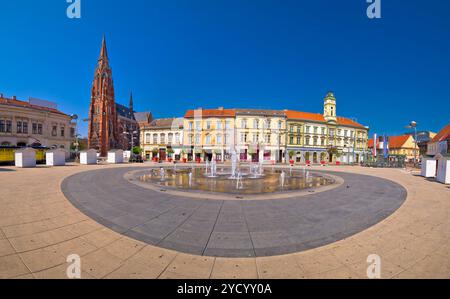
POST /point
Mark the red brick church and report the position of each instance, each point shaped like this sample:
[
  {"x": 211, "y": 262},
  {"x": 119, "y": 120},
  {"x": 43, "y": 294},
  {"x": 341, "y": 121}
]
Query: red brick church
[{"x": 111, "y": 125}]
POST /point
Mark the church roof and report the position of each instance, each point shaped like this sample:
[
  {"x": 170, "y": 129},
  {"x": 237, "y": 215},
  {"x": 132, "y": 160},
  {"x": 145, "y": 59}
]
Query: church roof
[{"x": 124, "y": 111}]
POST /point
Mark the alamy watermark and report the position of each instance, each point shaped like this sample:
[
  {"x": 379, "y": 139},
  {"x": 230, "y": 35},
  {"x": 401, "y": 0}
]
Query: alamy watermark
[
  {"x": 74, "y": 9},
  {"x": 374, "y": 9},
  {"x": 74, "y": 268},
  {"x": 374, "y": 269}
]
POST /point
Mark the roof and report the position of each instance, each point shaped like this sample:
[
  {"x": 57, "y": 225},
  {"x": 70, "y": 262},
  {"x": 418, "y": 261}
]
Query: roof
[
  {"x": 261, "y": 112},
  {"x": 444, "y": 134},
  {"x": 291, "y": 114},
  {"x": 165, "y": 123},
  {"x": 124, "y": 111},
  {"x": 142, "y": 117},
  {"x": 17, "y": 103},
  {"x": 394, "y": 141},
  {"x": 211, "y": 113}
]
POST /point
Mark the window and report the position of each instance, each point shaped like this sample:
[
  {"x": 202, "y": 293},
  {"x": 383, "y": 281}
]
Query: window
[
  {"x": 177, "y": 138},
  {"x": 332, "y": 111},
  {"x": 197, "y": 139},
  {"x": 72, "y": 132},
  {"x": 269, "y": 124},
  {"x": 219, "y": 139},
  {"x": 322, "y": 141},
  {"x": 2, "y": 126},
  {"x": 298, "y": 140},
  {"x": 280, "y": 125},
  {"x": 19, "y": 127},
  {"x": 323, "y": 131},
  {"x": 256, "y": 124},
  {"x": 190, "y": 139},
  {"x": 34, "y": 128},
  {"x": 148, "y": 138},
  {"x": 227, "y": 124},
  {"x": 225, "y": 139},
  {"x": 244, "y": 137},
  {"x": 170, "y": 138},
  {"x": 315, "y": 130},
  {"x": 25, "y": 127},
  {"x": 63, "y": 131},
  {"x": 208, "y": 125},
  {"x": 54, "y": 129},
  {"x": 307, "y": 129},
  {"x": 244, "y": 124},
  {"x": 307, "y": 138},
  {"x": 208, "y": 139},
  {"x": 191, "y": 124},
  {"x": 155, "y": 138},
  {"x": 8, "y": 128},
  {"x": 291, "y": 140},
  {"x": 219, "y": 125},
  {"x": 268, "y": 139},
  {"x": 345, "y": 133},
  {"x": 198, "y": 126},
  {"x": 162, "y": 138},
  {"x": 292, "y": 129},
  {"x": 315, "y": 140}
]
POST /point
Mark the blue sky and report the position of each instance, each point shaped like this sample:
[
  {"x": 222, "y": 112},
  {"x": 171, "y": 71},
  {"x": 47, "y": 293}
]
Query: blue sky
[{"x": 280, "y": 54}]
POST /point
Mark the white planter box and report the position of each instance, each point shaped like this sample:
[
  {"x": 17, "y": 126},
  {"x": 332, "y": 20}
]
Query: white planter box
[
  {"x": 428, "y": 168},
  {"x": 55, "y": 157},
  {"x": 88, "y": 157},
  {"x": 443, "y": 172},
  {"x": 25, "y": 158},
  {"x": 115, "y": 156}
]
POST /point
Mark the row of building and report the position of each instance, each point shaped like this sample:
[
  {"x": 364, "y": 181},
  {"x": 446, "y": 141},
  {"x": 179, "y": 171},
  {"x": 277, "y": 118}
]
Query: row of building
[{"x": 257, "y": 135}]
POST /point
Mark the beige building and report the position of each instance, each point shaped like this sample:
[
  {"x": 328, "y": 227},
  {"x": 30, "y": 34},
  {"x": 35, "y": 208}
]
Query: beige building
[
  {"x": 260, "y": 135},
  {"x": 34, "y": 123},
  {"x": 162, "y": 139}
]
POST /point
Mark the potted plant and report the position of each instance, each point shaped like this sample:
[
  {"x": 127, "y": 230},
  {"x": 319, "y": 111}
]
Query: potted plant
[
  {"x": 170, "y": 152},
  {"x": 291, "y": 158},
  {"x": 155, "y": 154}
]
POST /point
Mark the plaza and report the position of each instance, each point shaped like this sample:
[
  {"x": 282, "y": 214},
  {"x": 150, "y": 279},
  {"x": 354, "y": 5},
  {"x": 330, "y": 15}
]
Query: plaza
[{"x": 48, "y": 214}]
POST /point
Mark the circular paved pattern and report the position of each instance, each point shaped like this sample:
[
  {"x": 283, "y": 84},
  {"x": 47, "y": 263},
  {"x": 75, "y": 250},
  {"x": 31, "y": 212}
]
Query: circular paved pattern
[{"x": 233, "y": 228}]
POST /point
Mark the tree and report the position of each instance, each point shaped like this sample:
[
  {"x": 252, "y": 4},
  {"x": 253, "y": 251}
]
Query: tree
[{"x": 137, "y": 150}]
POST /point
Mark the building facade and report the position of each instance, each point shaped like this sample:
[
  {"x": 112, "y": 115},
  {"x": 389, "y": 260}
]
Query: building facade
[
  {"x": 209, "y": 134},
  {"x": 34, "y": 123},
  {"x": 162, "y": 139},
  {"x": 111, "y": 125},
  {"x": 403, "y": 145},
  {"x": 260, "y": 135},
  {"x": 325, "y": 138},
  {"x": 440, "y": 144}
]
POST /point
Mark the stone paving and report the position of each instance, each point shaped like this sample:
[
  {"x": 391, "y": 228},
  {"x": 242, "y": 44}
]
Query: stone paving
[
  {"x": 39, "y": 228},
  {"x": 233, "y": 228}
]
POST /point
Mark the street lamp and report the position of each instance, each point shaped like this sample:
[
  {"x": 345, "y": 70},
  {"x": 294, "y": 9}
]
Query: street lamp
[
  {"x": 75, "y": 118},
  {"x": 413, "y": 125}
]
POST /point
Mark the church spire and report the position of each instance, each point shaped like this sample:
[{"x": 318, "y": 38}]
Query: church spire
[
  {"x": 103, "y": 51},
  {"x": 131, "y": 102}
]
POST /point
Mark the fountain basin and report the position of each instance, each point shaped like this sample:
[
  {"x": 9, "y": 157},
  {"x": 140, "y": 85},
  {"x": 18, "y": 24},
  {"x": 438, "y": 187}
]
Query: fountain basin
[{"x": 270, "y": 181}]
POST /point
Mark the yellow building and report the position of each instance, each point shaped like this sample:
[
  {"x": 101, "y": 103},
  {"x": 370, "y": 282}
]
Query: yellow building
[
  {"x": 209, "y": 134},
  {"x": 325, "y": 138}
]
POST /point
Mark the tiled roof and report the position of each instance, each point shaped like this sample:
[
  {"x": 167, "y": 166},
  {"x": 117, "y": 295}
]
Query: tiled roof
[
  {"x": 124, "y": 111},
  {"x": 394, "y": 141},
  {"x": 211, "y": 113},
  {"x": 444, "y": 134},
  {"x": 18, "y": 103},
  {"x": 290, "y": 114},
  {"x": 143, "y": 117},
  {"x": 165, "y": 123},
  {"x": 260, "y": 112}
]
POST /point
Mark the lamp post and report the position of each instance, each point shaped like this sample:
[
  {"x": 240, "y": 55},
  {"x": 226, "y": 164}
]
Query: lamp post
[
  {"x": 75, "y": 117},
  {"x": 413, "y": 125},
  {"x": 132, "y": 134}
]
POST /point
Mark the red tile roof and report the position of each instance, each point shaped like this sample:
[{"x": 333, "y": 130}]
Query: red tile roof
[
  {"x": 290, "y": 114},
  {"x": 211, "y": 113},
  {"x": 394, "y": 141},
  {"x": 18, "y": 103},
  {"x": 444, "y": 134}
]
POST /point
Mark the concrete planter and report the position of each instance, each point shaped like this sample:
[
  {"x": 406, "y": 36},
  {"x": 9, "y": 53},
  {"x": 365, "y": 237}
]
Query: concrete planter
[{"x": 25, "y": 158}]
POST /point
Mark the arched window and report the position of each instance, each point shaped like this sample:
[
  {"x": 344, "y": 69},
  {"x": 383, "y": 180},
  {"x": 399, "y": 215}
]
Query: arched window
[
  {"x": 162, "y": 138},
  {"x": 208, "y": 139},
  {"x": 155, "y": 138},
  {"x": 147, "y": 138},
  {"x": 170, "y": 136}
]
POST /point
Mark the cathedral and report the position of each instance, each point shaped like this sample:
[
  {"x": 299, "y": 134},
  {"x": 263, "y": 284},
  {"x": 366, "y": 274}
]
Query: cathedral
[{"x": 111, "y": 125}]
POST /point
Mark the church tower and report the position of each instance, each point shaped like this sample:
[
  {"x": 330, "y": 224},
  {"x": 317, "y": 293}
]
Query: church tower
[
  {"x": 103, "y": 121},
  {"x": 329, "y": 107}
]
